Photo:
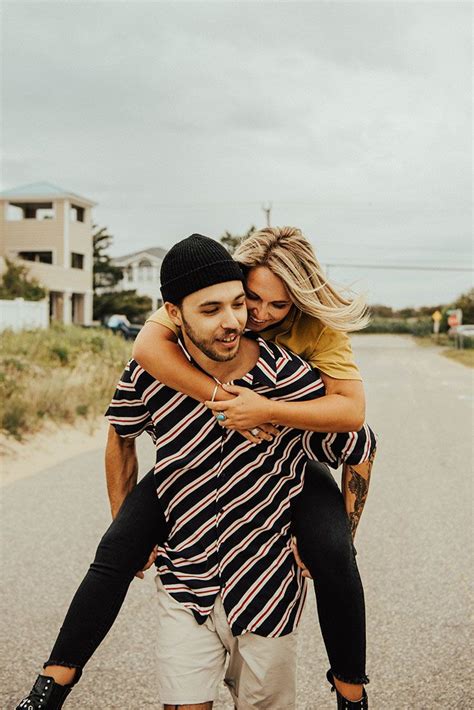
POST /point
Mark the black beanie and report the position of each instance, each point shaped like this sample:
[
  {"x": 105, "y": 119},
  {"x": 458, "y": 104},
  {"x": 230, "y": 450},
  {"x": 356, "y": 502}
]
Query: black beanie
[{"x": 194, "y": 263}]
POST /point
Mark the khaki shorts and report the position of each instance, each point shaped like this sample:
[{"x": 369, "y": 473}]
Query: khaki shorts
[{"x": 260, "y": 673}]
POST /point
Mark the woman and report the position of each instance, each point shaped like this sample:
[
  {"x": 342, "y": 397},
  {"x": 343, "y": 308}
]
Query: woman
[{"x": 140, "y": 521}]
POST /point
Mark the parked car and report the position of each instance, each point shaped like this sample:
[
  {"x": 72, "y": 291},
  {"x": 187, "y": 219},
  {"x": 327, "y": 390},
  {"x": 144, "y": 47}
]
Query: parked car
[{"x": 120, "y": 324}]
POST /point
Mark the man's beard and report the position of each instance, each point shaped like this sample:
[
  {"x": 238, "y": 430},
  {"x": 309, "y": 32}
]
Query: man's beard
[{"x": 206, "y": 346}]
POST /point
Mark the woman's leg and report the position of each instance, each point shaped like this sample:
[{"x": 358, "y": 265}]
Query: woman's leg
[
  {"x": 321, "y": 526},
  {"x": 124, "y": 549}
]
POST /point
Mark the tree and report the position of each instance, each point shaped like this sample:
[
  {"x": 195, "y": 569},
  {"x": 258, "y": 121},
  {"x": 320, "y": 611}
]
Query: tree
[
  {"x": 136, "y": 308},
  {"x": 407, "y": 313},
  {"x": 106, "y": 275},
  {"x": 232, "y": 241},
  {"x": 466, "y": 302},
  {"x": 380, "y": 311},
  {"x": 16, "y": 283},
  {"x": 108, "y": 301}
]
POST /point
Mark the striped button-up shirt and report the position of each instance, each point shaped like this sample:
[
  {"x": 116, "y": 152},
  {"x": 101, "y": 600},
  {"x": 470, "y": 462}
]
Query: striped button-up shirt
[{"x": 226, "y": 500}]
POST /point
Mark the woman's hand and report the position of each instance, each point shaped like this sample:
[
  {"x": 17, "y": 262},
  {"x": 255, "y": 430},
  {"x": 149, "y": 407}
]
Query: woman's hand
[
  {"x": 298, "y": 560},
  {"x": 248, "y": 410}
]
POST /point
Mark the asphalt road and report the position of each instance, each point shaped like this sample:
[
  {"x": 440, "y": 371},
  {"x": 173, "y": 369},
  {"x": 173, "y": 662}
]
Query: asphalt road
[{"x": 414, "y": 545}]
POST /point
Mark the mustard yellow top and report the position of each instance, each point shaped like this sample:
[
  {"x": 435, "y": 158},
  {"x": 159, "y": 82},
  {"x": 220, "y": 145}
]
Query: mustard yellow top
[{"x": 328, "y": 350}]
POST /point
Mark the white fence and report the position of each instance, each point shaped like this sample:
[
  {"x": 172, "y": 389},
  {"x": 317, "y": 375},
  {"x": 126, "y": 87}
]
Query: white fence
[{"x": 22, "y": 315}]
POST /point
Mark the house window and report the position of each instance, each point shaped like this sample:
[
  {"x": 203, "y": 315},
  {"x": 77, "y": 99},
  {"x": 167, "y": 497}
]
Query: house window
[
  {"x": 77, "y": 261},
  {"x": 76, "y": 214},
  {"x": 145, "y": 270},
  {"x": 44, "y": 257},
  {"x": 17, "y": 211}
]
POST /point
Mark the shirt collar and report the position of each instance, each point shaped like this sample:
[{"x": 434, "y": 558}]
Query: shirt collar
[{"x": 263, "y": 372}]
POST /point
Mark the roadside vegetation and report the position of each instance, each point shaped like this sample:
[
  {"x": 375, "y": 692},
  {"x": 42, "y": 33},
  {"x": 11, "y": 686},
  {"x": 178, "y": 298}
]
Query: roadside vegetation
[
  {"x": 418, "y": 322},
  {"x": 465, "y": 357},
  {"x": 57, "y": 375}
]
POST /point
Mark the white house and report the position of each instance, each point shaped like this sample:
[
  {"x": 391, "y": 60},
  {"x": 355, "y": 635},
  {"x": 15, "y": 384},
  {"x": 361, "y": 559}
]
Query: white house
[{"x": 141, "y": 272}]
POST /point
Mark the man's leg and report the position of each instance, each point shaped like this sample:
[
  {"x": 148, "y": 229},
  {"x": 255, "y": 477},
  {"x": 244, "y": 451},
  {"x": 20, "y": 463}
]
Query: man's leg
[
  {"x": 261, "y": 674},
  {"x": 190, "y": 656}
]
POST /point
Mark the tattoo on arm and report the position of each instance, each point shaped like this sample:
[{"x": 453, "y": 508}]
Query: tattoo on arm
[{"x": 356, "y": 480}]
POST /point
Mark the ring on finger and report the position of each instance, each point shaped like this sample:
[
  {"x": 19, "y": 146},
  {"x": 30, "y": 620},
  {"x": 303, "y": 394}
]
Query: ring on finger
[
  {"x": 221, "y": 417},
  {"x": 255, "y": 431}
]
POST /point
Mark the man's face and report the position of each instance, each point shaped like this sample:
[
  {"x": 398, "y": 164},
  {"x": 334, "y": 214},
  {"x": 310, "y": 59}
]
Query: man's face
[{"x": 214, "y": 318}]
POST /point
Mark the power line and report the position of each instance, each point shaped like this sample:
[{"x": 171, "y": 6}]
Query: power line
[
  {"x": 363, "y": 204},
  {"x": 399, "y": 247},
  {"x": 400, "y": 267}
]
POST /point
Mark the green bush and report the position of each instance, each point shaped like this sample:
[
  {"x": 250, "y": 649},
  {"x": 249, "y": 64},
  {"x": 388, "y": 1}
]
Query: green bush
[
  {"x": 412, "y": 326},
  {"x": 422, "y": 327},
  {"x": 61, "y": 352},
  {"x": 14, "y": 419},
  {"x": 387, "y": 325},
  {"x": 467, "y": 342},
  {"x": 57, "y": 375}
]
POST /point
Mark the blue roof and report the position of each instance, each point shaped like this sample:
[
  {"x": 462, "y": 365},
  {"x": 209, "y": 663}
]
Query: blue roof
[{"x": 41, "y": 189}]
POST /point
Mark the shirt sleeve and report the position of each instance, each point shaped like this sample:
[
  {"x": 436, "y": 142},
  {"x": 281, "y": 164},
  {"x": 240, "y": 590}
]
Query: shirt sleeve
[
  {"x": 332, "y": 354},
  {"x": 352, "y": 448},
  {"x": 126, "y": 412},
  {"x": 161, "y": 316}
]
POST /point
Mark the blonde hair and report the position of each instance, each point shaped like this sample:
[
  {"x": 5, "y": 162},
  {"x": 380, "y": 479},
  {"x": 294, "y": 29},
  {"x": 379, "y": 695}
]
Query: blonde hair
[{"x": 290, "y": 256}]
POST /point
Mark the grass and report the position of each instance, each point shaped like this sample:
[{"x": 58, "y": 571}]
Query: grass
[
  {"x": 465, "y": 357},
  {"x": 430, "y": 340},
  {"x": 57, "y": 375}
]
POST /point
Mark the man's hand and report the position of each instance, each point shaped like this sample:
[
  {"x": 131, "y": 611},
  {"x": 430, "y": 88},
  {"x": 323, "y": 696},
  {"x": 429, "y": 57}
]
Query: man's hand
[
  {"x": 150, "y": 561},
  {"x": 298, "y": 559},
  {"x": 248, "y": 410}
]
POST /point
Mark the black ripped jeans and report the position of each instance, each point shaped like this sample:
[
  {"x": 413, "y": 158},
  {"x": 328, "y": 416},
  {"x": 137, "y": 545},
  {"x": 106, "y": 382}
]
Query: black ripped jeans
[{"x": 321, "y": 526}]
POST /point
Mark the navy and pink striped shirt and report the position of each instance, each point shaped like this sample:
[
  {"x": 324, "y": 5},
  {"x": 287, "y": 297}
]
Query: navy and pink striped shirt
[{"x": 226, "y": 500}]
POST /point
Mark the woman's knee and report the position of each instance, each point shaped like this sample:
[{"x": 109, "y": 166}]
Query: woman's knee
[
  {"x": 120, "y": 554},
  {"x": 329, "y": 550}
]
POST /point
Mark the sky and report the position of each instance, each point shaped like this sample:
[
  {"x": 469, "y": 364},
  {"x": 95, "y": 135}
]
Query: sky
[{"x": 353, "y": 119}]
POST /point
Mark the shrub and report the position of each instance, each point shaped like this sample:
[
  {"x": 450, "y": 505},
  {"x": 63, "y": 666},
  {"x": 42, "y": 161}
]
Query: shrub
[
  {"x": 16, "y": 283},
  {"x": 57, "y": 375},
  {"x": 387, "y": 325},
  {"x": 412, "y": 326},
  {"x": 14, "y": 418},
  {"x": 61, "y": 352}
]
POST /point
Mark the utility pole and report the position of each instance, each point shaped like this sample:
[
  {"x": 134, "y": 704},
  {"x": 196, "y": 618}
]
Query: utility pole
[{"x": 267, "y": 209}]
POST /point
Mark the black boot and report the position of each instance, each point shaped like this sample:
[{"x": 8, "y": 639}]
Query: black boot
[
  {"x": 343, "y": 703},
  {"x": 46, "y": 694}
]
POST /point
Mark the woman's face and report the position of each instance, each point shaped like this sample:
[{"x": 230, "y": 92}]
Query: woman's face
[{"x": 268, "y": 301}]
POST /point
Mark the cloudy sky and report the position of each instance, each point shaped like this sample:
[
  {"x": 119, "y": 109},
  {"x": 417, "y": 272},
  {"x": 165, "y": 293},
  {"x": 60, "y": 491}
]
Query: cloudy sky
[{"x": 351, "y": 118}]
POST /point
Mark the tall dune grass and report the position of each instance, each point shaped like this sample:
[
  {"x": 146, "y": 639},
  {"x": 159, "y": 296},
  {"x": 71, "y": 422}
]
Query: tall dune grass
[{"x": 57, "y": 375}]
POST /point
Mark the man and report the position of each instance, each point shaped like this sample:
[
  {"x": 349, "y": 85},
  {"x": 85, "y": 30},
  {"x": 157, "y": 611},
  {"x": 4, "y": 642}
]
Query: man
[{"x": 228, "y": 584}]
